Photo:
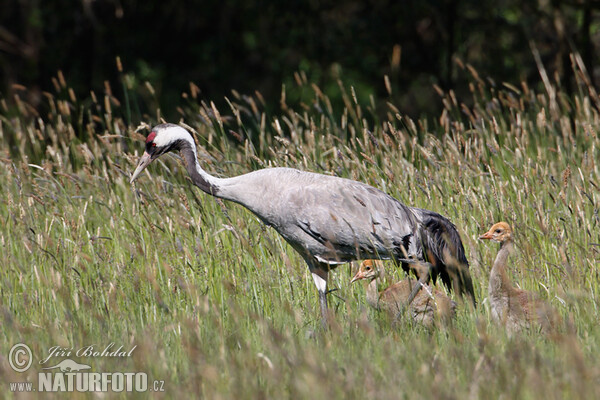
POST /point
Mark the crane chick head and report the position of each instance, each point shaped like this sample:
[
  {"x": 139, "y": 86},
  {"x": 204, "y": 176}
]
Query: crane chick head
[
  {"x": 369, "y": 269},
  {"x": 162, "y": 139},
  {"x": 499, "y": 232}
]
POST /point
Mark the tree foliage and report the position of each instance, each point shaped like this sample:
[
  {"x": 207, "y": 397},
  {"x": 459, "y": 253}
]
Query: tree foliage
[{"x": 250, "y": 45}]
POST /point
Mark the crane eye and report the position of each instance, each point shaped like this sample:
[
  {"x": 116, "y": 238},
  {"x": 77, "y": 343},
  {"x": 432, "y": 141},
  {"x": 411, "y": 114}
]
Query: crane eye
[{"x": 153, "y": 145}]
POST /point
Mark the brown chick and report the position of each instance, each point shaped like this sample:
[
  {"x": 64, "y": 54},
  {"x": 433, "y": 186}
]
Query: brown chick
[
  {"x": 427, "y": 305},
  {"x": 514, "y": 308}
]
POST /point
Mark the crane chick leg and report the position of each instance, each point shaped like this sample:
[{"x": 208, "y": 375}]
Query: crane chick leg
[{"x": 320, "y": 278}]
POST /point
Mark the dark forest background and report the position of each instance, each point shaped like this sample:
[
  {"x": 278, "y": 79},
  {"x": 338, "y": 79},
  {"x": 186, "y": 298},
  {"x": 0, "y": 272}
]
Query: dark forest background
[{"x": 249, "y": 45}]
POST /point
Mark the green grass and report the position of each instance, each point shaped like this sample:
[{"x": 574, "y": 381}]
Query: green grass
[{"x": 219, "y": 306}]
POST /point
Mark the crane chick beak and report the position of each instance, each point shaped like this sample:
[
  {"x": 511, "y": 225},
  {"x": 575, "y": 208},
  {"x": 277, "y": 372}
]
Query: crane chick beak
[
  {"x": 142, "y": 164},
  {"x": 487, "y": 235},
  {"x": 359, "y": 275}
]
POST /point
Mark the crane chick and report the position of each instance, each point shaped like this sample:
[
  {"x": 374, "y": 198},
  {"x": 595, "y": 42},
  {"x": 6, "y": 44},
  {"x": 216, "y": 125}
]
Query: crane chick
[
  {"x": 511, "y": 307},
  {"x": 427, "y": 305}
]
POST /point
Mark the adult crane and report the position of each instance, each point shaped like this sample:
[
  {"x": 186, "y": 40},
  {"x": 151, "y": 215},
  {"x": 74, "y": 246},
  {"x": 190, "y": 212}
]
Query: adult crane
[{"x": 327, "y": 219}]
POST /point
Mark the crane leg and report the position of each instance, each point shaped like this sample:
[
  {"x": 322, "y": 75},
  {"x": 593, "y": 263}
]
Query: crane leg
[
  {"x": 423, "y": 274},
  {"x": 422, "y": 269},
  {"x": 415, "y": 291},
  {"x": 417, "y": 288},
  {"x": 320, "y": 278}
]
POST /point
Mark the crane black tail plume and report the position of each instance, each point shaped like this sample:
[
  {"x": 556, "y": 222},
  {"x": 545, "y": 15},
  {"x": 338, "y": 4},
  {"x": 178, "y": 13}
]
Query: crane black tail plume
[{"x": 444, "y": 250}]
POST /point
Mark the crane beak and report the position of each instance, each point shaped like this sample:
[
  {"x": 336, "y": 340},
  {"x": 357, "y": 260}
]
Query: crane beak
[
  {"x": 486, "y": 235},
  {"x": 359, "y": 275},
  {"x": 142, "y": 164}
]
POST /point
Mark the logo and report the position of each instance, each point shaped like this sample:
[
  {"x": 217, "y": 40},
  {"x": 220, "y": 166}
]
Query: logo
[
  {"x": 68, "y": 375},
  {"x": 69, "y": 366},
  {"x": 20, "y": 357}
]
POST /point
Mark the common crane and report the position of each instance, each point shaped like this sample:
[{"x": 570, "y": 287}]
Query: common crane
[
  {"x": 327, "y": 219},
  {"x": 429, "y": 304},
  {"x": 514, "y": 308}
]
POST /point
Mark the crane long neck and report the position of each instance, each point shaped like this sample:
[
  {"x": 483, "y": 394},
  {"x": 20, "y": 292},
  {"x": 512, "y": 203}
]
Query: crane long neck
[
  {"x": 208, "y": 183},
  {"x": 498, "y": 276},
  {"x": 502, "y": 256},
  {"x": 373, "y": 293}
]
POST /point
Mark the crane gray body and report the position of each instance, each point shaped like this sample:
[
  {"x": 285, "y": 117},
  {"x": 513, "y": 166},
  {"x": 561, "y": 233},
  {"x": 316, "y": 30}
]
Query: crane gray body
[{"x": 332, "y": 219}]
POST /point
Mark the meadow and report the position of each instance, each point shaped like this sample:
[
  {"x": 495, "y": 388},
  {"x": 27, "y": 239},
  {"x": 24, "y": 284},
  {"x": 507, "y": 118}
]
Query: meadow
[{"x": 218, "y": 306}]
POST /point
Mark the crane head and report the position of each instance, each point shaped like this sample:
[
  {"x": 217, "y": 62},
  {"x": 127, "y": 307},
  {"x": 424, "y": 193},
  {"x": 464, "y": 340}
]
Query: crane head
[
  {"x": 162, "y": 139},
  {"x": 369, "y": 269},
  {"x": 499, "y": 232}
]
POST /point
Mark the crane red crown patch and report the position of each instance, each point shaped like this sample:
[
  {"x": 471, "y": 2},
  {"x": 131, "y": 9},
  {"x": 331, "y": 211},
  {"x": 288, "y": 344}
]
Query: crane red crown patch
[{"x": 151, "y": 137}]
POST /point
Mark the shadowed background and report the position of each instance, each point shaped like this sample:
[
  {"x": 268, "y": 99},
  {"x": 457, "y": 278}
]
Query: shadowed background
[{"x": 256, "y": 45}]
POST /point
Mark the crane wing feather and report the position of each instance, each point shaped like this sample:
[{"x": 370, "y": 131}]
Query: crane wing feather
[{"x": 347, "y": 220}]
